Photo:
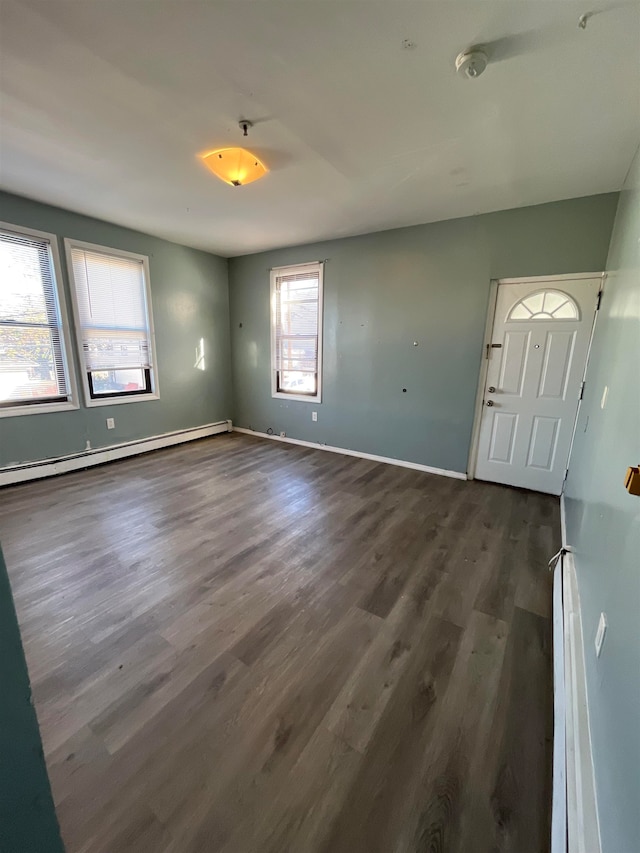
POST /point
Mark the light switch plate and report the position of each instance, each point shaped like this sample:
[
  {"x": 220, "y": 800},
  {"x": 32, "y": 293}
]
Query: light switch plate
[
  {"x": 602, "y": 630},
  {"x": 111, "y": 423},
  {"x": 314, "y": 416}
]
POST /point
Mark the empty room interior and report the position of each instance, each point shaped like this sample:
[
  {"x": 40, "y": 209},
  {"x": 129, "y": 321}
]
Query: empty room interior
[{"x": 319, "y": 426}]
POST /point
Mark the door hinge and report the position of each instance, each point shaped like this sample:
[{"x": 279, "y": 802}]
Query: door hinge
[
  {"x": 581, "y": 391},
  {"x": 599, "y": 301}
]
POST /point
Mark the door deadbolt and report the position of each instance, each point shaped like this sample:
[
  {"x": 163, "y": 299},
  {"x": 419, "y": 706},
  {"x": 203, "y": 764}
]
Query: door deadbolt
[
  {"x": 492, "y": 389},
  {"x": 489, "y": 402}
]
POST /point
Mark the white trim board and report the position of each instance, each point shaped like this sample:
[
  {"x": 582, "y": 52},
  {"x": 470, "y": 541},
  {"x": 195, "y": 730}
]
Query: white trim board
[
  {"x": 574, "y": 821},
  {"x": 583, "y": 831},
  {"x": 50, "y": 467},
  {"x": 559, "y": 792},
  {"x": 484, "y": 363},
  {"x": 578, "y": 276},
  {"x": 457, "y": 475}
]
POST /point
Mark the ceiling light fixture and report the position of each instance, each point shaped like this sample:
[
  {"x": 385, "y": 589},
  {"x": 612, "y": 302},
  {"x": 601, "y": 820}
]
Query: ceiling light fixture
[
  {"x": 235, "y": 166},
  {"x": 471, "y": 62}
]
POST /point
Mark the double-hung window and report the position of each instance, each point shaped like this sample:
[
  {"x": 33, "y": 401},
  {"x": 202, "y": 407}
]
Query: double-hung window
[
  {"x": 114, "y": 324},
  {"x": 34, "y": 365},
  {"x": 296, "y": 332}
]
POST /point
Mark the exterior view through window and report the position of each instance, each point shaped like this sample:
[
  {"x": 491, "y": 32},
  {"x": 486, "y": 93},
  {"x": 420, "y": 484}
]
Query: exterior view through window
[
  {"x": 32, "y": 359},
  {"x": 113, "y": 321},
  {"x": 296, "y": 346}
]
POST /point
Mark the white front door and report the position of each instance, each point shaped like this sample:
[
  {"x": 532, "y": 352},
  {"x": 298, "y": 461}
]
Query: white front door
[{"x": 537, "y": 356}]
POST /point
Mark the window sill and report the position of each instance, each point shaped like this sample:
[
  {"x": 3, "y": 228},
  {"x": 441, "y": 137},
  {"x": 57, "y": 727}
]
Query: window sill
[
  {"x": 37, "y": 409},
  {"x": 117, "y": 401},
  {"x": 301, "y": 398}
]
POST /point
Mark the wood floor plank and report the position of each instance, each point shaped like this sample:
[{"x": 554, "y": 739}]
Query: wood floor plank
[{"x": 239, "y": 646}]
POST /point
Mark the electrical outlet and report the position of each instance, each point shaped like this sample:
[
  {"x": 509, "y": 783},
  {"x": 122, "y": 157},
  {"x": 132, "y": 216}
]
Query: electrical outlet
[
  {"x": 282, "y": 434},
  {"x": 314, "y": 416},
  {"x": 602, "y": 630},
  {"x": 111, "y": 423}
]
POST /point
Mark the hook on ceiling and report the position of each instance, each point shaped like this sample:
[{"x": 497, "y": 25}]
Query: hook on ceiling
[{"x": 582, "y": 20}]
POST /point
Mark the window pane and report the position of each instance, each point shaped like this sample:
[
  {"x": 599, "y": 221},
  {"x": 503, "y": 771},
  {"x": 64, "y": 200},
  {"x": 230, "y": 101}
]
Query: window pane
[
  {"x": 31, "y": 357},
  {"x": 117, "y": 381},
  {"x": 545, "y": 305},
  {"x": 520, "y": 312},
  {"x": 534, "y": 302},
  {"x": 566, "y": 312},
  {"x": 553, "y": 300},
  {"x": 296, "y": 320},
  {"x": 297, "y": 382},
  {"x": 27, "y": 364}
]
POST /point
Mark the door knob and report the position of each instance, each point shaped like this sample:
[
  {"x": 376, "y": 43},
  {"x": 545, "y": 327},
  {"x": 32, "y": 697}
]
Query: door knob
[
  {"x": 489, "y": 402},
  {"x": 492, "y": 389}
]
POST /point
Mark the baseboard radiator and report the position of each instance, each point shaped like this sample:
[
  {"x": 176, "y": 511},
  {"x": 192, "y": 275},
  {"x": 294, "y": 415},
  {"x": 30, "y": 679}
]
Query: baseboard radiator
[
  {"x": 50, "y": 467},
  {"x": 574, "y": 827}
]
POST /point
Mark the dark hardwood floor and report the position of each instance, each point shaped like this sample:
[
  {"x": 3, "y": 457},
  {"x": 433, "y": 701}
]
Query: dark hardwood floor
[{"x": 243, "y": 646}]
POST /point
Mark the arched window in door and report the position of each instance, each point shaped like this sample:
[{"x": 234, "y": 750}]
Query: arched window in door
[{"x": 545, "y": 305}]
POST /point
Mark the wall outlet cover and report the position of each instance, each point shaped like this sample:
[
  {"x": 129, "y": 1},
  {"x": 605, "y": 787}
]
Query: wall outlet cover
[
  {"x": 282, "y": 434},
  {"x": 111, "y": 423},
  {"x": 314, "y": 416},
  {"x": 605, "y": 394},
  {"x": 602, "y": 630}
]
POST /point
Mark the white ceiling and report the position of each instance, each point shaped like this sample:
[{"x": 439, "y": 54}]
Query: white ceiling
[{"x": 106, "y": 104}]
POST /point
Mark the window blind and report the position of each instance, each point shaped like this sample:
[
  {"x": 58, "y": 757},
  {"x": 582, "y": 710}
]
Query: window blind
[
  {"x": 112, "y": 311},
  {"x": 296, "y": 330},
  {"x": 32, "y": 367}
]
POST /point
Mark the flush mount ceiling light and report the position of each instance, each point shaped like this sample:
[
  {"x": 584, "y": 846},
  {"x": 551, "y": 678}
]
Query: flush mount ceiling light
[{"x": 471, "y": 63}]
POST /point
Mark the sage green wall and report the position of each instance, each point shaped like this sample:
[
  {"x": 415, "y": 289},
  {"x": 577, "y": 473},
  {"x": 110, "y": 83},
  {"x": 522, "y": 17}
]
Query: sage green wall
[
  {"x": 28, "y": 822},
  {"x": 189, "y": 294},
  {"x": 603, "y": 529},
  {"x": 382, "y": 292}
]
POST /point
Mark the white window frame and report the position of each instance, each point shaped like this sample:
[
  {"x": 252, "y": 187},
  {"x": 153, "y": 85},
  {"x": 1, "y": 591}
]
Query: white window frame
[
  {"x": 296, "y": 269},
  {"x": 116, "y": 400},
  {"x": 72, "y": 403}
]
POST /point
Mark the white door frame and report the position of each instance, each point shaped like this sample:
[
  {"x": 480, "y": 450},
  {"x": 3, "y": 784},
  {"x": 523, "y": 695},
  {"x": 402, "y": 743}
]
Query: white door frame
[{"x": 488, "y": 333}]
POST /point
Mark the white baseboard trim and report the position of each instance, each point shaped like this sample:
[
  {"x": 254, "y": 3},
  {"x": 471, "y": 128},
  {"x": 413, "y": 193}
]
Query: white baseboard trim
[
  {"x": 50, "y": 467},
  {"x": 457, "y": 475},
  {"x": 574, "y": 793}
]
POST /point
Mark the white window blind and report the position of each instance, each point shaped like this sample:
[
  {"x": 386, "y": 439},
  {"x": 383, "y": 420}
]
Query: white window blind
[
  {"x": 112, "y": 310},
  {"x": 32, "y": 367},
  {"x": 297, "y": 329}
]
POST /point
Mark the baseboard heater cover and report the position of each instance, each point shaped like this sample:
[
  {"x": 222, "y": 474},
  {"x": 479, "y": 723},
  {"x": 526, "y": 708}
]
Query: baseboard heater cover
[
  {"x": 21, "y": 473},
  {"x": 388, "y": 460},
  {"x": 574, "y": 823}
]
